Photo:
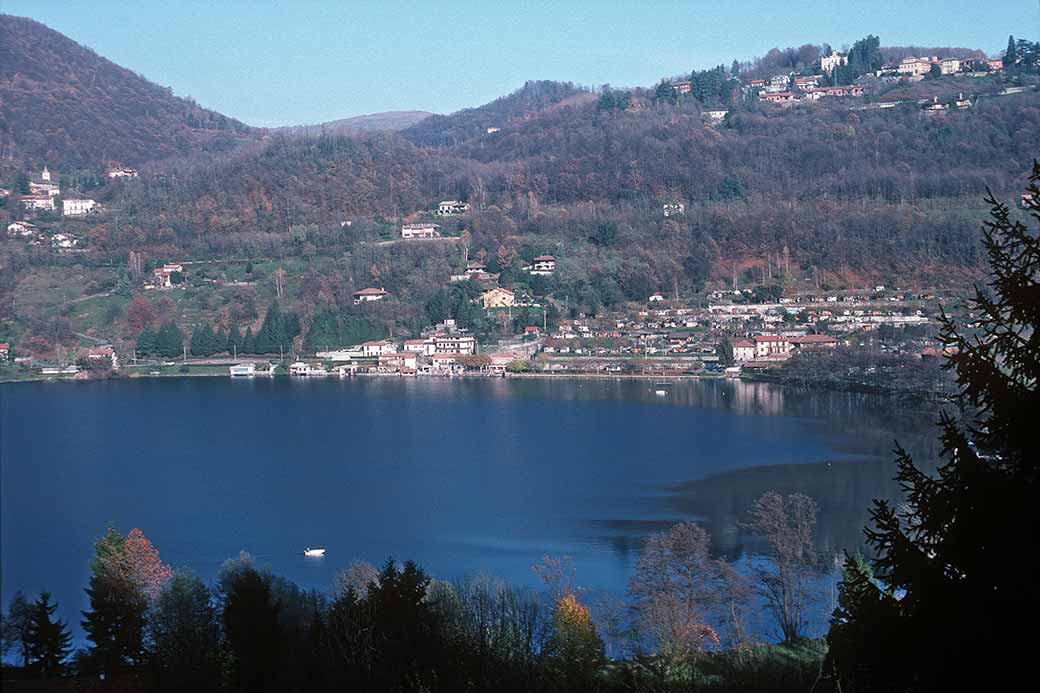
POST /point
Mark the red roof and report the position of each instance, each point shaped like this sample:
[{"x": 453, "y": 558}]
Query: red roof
[
  {"x": 770, "y": 338},
  {"x": 369, "y": 292},
  {"x": 545, "y": 258},
  {"x": 743, "y": 344},
  {"x": 4, "y": 345}
]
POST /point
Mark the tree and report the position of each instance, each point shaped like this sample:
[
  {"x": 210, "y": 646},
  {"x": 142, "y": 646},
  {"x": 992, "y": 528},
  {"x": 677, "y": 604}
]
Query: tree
[
  {"x": 950, "y": 605},
  {"x": 787, "y": 524},
  {"x": 725, "y": 352},
  {"x": 357, "y": 576},
  {"x": 185, "y": 636},
  {"x": 574, "y": 650},
  {"x": 934, "y": 72},
  {"x": 126, "y": 573},
  {"x": 1011, "y": 54},
  {"x": 250, "y": 618},
  {"x": 147, "y": 341},
  {"x": 48, "y": 638},
  {"x": 675, "y": 583},
  {"x": 16, "y": 625},
  {"x": 139, "y": 314},
  {"x": 169, "y": 341}
]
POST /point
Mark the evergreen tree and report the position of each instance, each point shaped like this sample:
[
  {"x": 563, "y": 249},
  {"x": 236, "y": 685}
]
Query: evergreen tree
[
  {"x": 116, "y": 619},
  {"x": 147, "y": 341},
  {"x": 49, "y": 639},
  {"x": 233, "y": 345},
  {"x": 953, "y": 604},
  {"x": 185, "y": 635},
  {"x": 169, "y": 342},
  {"x": 201, "y": 337},
  {"x": 1011, "y": 54}
]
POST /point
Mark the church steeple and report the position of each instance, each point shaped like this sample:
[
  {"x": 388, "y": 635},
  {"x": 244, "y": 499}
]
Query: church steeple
[{"x": 46, "y": 175}]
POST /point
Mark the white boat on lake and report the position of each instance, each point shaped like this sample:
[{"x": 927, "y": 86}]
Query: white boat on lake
[{"x": 315, "y": 553}]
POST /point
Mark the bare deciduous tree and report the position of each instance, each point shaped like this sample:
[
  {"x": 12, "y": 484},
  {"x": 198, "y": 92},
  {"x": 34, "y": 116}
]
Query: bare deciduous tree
[
  {"x": 676, "y": 584},
  {"x": 787, "y": 524}
]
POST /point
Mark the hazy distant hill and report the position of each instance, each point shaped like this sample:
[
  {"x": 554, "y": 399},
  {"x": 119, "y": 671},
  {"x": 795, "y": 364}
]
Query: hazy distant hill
[
  {"x": 64, "y": 105},
  {"x": 390, "y": 120}
]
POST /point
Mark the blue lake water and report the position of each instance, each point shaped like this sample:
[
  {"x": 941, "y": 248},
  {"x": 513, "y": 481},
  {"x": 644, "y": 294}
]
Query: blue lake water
[{"x": 463, "y": 476}]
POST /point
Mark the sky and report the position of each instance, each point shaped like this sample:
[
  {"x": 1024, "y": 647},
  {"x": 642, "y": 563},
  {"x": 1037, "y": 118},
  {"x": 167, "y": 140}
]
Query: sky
[{"x": 269, "y": 62}]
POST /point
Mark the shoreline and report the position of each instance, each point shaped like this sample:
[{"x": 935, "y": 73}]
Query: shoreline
[{"x": 670, "y": 378}]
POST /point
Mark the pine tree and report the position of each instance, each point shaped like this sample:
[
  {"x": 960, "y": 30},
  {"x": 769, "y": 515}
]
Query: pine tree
[
  {"x": 169, "y": 340},
  {"x": 1011, "y": 54},
  {"x": 147, "y": 341},
  {"x": 954, "y": 601},
  {"x": 49, "y": 639}
]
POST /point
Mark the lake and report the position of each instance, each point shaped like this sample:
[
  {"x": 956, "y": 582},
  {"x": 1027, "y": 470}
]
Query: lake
[{"x": 463, "y": 475}]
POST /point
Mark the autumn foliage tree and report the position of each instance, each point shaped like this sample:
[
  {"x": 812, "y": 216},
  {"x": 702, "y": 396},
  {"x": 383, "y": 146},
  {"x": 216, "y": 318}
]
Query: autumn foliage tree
[
  {"x": 574, "y": 651},
  {"x": 126, "y": 576}
]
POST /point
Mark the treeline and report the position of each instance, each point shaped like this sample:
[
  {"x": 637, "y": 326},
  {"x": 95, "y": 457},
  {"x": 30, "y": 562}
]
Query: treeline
[{"x": 396, "y": 628}]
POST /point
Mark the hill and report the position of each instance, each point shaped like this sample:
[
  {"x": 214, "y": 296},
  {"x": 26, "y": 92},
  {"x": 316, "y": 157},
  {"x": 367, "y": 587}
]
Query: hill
[
  {"x": 523, "y": 104},
  {"x": 64, "y": 105},
  {"x": 372, "y": 122}
]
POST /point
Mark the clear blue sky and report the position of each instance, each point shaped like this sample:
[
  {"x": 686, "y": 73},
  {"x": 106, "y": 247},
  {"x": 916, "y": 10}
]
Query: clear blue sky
[{"x": 279, "y": 63}]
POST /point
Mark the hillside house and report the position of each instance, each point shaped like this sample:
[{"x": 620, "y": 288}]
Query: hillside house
[
  {"x": 950, "y": 66},
  {"x": 673, "y": 208},
  {"x": 5, "y": 351},
  {"x": 777, "y": 97},
  {"x": 121, "y": 172},
  {"x": 498, "y": 298},
  {"x": 20, "y": 228},
  {"x": 379, "y": 348},
  {"x": 398, "y": 361},
  {"x": 426, "y": 347},
  {"x": 368, "y": 295},
  {"x": 813, "y": 341},
  {"x": 103, "y": 354},
  {"x": 714, "y": 115},
  {"x": 829, "y": 62},
  {"x": 445, "y": 364},
  {"x": 543, "y": 265},
  {"x": 458, "y": 344},
  {"x": 44, "y": 185},
  {"x": 772, "y": 346},
  {"x": 656, "y": 298},
  {"x": 38, "y": 203},
  {"x": 77, "y": 207},
  {"x": 451, "y": 208},
  {"x": 914, "y": 66},
  {"x": 743, "y": 350},
  {"x": 995, "y": 65},
  {"x": 680, "y": 88},
  {"x": 492, "y": 130},
  {"x": 163, "y": 276},
  {"x": 421, "y": 230},
  {"x": 64, "y": 241}
]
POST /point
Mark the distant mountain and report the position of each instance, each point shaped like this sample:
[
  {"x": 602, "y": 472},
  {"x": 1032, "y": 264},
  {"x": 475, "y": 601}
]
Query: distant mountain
[
  {"x": 63, "y": 105},
  {"x": 373, "y": 122},
  {"x": 523, "y": 104}
]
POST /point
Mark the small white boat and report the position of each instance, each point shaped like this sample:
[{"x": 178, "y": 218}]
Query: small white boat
[
  {"x": 313, "y": 552},
  {"x": 660, "y": 393}
]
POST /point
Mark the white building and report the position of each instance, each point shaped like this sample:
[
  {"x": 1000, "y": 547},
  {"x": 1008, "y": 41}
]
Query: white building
[
  {"x": 368, "y": 295},
  {"x": 76, "y": 207},
  {"x": 38, "y": 203},
  {"x": 378, "y": 348},
  {"x": 420, "y": 230},
  {"x": 829, "y": 62},
  {"x": 20, "y": 228},
  {"x": 543, "y": 265},
  {"x": 122, "y": 173},
  {"x": 449, "y": 208},
  {"x": 461, "y": 344}
]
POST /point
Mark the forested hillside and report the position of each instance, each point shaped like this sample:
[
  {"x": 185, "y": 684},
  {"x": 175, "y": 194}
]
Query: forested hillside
[{"x": 64, "y": 105}]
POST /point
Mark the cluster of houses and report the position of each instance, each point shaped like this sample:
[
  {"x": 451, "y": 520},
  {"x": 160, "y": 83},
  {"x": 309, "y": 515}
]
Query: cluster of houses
[
  {"x": 44, "y": 189},
  {"x": 62, "y": 241}
]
